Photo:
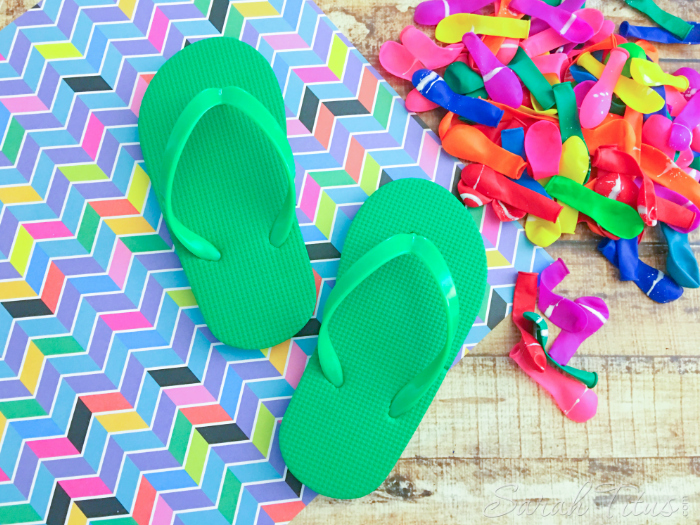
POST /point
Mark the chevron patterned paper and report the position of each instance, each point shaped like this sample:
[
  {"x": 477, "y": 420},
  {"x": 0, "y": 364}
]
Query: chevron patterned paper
[{"x": 117, "y": 405}]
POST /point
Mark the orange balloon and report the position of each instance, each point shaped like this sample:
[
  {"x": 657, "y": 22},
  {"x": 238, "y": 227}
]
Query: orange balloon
[
  {"x": 525, "y": 113},
  {"x": 617, "y": 132},
  {"x": 604, "y": 45},
  {"x": 468, "y": 143},
  {"x": 665, "y": 172},
  {"x": 445, "y": 124},
  {"x": 649, "y": 49},
  {"x": 636, "y": 120}
]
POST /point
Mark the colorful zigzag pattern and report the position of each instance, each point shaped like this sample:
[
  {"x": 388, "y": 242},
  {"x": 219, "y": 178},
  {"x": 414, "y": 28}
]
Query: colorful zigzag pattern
[{"x": 116, "y": 402}]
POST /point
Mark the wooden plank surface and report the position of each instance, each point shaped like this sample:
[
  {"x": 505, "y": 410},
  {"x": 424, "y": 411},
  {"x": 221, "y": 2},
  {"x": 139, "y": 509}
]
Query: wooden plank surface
[{"x": 493, "y": 448}]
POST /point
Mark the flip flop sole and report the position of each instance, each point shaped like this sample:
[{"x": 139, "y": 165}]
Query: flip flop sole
[
  {"x": 342, "y": 442},
  {"x": 229, "y": 187}
]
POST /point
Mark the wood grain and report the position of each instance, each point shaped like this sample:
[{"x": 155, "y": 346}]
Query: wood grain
[{"x": 491, "y": 430}]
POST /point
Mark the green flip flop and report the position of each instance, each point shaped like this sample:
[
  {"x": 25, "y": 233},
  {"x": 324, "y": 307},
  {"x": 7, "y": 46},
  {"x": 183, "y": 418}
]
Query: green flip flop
[
  {"x": 213, "y": 134},
  {"x": 411, "y": 280}
]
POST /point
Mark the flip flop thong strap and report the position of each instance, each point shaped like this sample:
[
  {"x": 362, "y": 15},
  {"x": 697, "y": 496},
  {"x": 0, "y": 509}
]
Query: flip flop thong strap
[
  {"x": 184, "y": 126},
  {"x": 369, "y": 263}
]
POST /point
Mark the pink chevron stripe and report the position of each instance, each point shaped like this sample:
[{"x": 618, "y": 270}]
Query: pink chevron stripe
[
  {"x": 429, "y": 155},
  {"x": 47, "y": 230},
  {"x": 283, "y": 512},
  {"x": 492, "y": 225},
  {"x": 309, "y": 75},
  {"x": 141, "y": 85},
  {"x": 126, "y": 321},
  {"x": 120, "y": 264},
  {"x": 190, "y": 395},
  {"x": 309, "y": 199},
  {"x": 163, "y": 515},
  {"x": 295, "y": 127},
  {"x": 23, "y": 104},
  {"x": 296, "y": 365},
  {"x": 83, "y": 487},
  {"x": 3, "y": 476},
  {"x": 288, "y": 41},
  {"x": 354, "y": 159},
  {"x": 52, "y": 448},
  {"x": 159, "y": 28},
  {"x": 93, "y": 136}
]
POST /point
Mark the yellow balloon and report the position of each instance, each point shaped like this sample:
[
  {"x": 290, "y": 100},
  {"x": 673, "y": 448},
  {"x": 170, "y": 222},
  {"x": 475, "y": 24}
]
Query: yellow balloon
[
  {"x": 574, "y": 165},
  {"x": 568, "y": 219},
  {"x": 575, "y": 160},
  {"x": 636, "y": 96},
  {"x": 540, "y": 232},
  {"x": 650, "y": 74},
  {"x": 452, "y": 28}
]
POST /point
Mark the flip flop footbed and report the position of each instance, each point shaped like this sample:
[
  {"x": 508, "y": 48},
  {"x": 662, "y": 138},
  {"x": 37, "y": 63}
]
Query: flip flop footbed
[
  {"x": 229, "y": 187},
  {"x": 342, "y": 442}
]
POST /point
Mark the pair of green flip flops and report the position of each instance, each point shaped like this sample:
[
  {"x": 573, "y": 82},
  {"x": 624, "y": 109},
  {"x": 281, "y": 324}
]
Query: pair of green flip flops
[{"x": 410, "y": 283}]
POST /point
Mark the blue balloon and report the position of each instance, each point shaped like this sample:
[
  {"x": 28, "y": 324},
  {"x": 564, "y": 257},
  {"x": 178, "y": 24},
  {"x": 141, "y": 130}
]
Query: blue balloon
[
  {"x": 681, "y": 263},
  {"x": 661, "y": 90},
  {"x": 434, "y": 88},
  {"x": 580, "y": 74},
  {"x": 657, "y": 34},
  {"x": 654, "y": 283}
]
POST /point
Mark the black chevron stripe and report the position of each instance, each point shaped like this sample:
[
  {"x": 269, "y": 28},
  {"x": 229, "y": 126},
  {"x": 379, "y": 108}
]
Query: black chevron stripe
[
  {"x": 227, "y": 433},
  {"x": 85, "y": 84},
  {"x": 311, "y": 328},
  {"x": 27, "y": 308},
  {"x": 309, "y": 108},
  {"x": 79, "y": 425},
  {"x": 101, "y": 508},
  {"x": 60, "y": 503},
  {"x": 342, "y": 108},
  {"x": 217, "y": 14},
  {"x": 322, "y": 250},
  {"x": 497, "y": 310},
  {"x": 174, "y": 376}
]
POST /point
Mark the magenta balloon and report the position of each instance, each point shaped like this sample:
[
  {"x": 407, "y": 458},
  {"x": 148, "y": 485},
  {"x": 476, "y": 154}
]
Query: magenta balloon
[
  {"x": 501, "y": 83},
  {"x": 431, "y": 12}
]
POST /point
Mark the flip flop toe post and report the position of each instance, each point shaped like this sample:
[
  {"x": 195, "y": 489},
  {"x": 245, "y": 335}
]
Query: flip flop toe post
[
  {"x": 410, "y": 283},
  {"x": 213, "y": 133}
]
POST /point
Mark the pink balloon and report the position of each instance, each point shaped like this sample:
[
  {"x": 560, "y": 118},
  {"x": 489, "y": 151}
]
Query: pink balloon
[
  {"x": 553, "y": 63},
  {"x": 550, "y": 39},
  {"x": 507, "y": 51},
  {"x": 543, "y": 149},
  {"x": 656, "y": 131},
  {"x": 417, "y": 103},
  {"x": 578, "y": 402},
  {"x": 501, "y": 82},
  {"x": 398, "y": 60},
  {"x": 676, "y": 101},
  {"x": 683, "y": 125},
  {"x": 567, "y": 24},
  {"x": 581, "y": 90},
  {"x": 607, "y": 29},
  {"x": 422, "y": 47},
  {"x": 596, "y": 105}
]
